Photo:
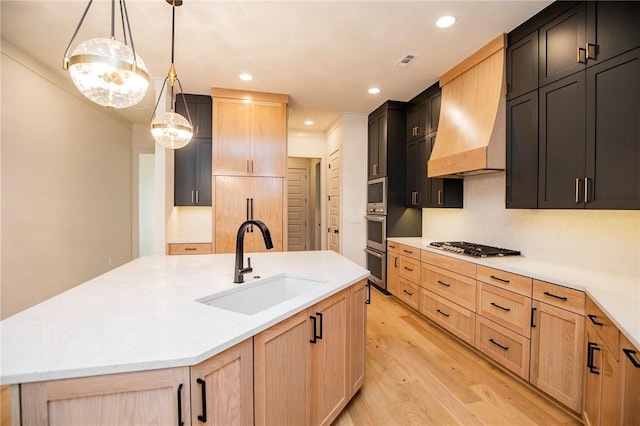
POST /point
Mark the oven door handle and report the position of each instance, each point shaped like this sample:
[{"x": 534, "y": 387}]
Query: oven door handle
[
  {"x": 376, "y": 254},
  {"x": 377, "y": 218}
]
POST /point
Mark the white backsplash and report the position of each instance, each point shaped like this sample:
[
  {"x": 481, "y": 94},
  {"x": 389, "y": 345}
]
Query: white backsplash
[
  {"x": 604, "y": 240},
  {"x": 190, "y": 225}
]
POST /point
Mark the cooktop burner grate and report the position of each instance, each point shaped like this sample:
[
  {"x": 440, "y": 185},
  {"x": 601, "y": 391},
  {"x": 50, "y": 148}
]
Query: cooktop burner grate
[{"x": 472, "y": 249}]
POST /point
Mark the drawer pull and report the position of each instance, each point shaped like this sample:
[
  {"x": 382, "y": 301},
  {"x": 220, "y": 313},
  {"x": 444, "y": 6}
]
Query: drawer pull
[
  {"x": 408, "y": 292},
  {"x": 546, "y": 293},
  {"x": 444, "y": 284},
  {"x": 442, "y": 313},
  {"x": 190, "y": 249},
  {"x": 408, "y": 269},
  {"x": 593, "y": 320},
  {"x": 500, "y": 307},
  {"x": 499, "y": 279},
  {"x": 407, "y": 251},
  {"x": 506, "y": 348},
  {"x": 629, "y": 353}
]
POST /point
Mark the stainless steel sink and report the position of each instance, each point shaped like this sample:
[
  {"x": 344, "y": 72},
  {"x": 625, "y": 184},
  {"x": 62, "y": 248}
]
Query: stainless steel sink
[{"x": 251, "y": 298}]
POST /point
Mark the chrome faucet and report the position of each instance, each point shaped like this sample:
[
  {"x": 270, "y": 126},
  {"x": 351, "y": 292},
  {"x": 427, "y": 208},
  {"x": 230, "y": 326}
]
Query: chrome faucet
[{"x": 240, "y": 270}]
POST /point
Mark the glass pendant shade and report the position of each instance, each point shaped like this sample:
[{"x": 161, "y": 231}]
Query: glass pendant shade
[
  {"x": 103, "y": 70},
  {"x": 171, "y": 130}
]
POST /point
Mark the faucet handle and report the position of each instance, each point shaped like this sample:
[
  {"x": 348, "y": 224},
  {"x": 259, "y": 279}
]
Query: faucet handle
[{"x": 249, "y": 263}]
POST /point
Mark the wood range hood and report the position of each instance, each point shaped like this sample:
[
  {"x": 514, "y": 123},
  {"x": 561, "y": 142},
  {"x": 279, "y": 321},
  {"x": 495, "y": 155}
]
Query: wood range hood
[{"x": 471, "y": 136}]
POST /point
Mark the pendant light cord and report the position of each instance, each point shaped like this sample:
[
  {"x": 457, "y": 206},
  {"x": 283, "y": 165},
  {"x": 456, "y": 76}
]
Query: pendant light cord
[{"x": 65, "y": 60}]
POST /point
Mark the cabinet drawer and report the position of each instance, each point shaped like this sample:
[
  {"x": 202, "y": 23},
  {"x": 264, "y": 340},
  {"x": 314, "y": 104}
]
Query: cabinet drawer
[
  {"x": 562, "y": 297},
  {"x": 603, "y": 326},
  {"x": 507, "y": 348},
  {"x": 393, "y": 246},
  {"x": 507, "y": 280},
  {"x": 186, "y": 248},
  {"x": 505, "y": 307},
  {"x": 449, "y": 263},
  {"x": 410, "y": 269},
  {"x": 409, "y": 251},
  {"x": 456, "y": 319},
  {"x": 409, "y": 293},
  {"x": 455, "y": 287}
]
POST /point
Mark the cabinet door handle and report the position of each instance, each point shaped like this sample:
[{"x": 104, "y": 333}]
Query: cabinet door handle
[
  {"x": 375, "y": 169},
  {"x": 593, "y": 320},
  {"x": 321, "y": 327},
  {"x": 499, "y": 279},
  {"x": 500, "y": 307},
  {"x": 442, "y": 313},
  {"x": 197, "y": 198},
  {"x": 630, "y": 354},
  {"x": 444, "y": 284},
  {"x": 577, "y": 189},
  {"x": 591, "y": 348},
  {"x": 180, "y": 422},
  {"x": 586, "y": 189},
  {"x": 395, "y": 262},
  {"x": 192, "y": 201},
  {"x": 203, "y": 417},
  {"x": 408, "y": 269},
  {"x": 248, "y": 217},
  {"x": 368, "y": 300},
  {"x": 248, "y": 171},
  {"x": 533, "y": 310},
  {"x": 580, "y": 54},
  {"x": 588, "y": 47},
  {"x": 414, "y": 198},
  {"x": 251, "y": 213},
  {"x": 315, "y": 324},
  {"x": 506, "y": 348},
  {"x": 439, "y": 197},
  {"x": 546, "y": 293},
  {"x": 408, "y": 292},
  {"x": 251, "y": 166}
]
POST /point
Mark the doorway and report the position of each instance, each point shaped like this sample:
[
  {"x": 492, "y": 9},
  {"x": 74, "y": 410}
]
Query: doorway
[{"x": 303, "y": 204}]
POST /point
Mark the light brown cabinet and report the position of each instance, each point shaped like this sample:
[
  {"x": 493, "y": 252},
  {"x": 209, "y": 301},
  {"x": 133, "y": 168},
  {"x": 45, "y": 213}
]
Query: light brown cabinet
[
  {"x": 222, "y": 388},
  {"x": 249, "y": 133},
  {"x": 239, "y": 198},
  {"x": 309, "y": 366},
  {"x": 630, "y": 365},
  {"x": 557, "y": 341},
  {"x": 393, "y": 271},
  {"x": 141, "y": 398},
  {"x": 189, "y": 248},
  {"x": 456, "y": 319}
]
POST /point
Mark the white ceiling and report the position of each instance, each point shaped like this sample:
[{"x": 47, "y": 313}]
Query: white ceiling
[{"x": 323, "y": 54}]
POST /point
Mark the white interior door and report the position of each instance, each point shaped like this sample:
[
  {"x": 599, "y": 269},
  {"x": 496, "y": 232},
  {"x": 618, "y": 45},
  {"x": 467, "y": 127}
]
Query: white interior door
[
  {"x": 298, "y": 208},
  {"x": 334, "y": 201}
]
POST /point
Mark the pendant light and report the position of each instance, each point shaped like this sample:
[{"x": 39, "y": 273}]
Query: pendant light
[
  {"x": 170, "y": 129},
  {"x": 105, "y": 70}
]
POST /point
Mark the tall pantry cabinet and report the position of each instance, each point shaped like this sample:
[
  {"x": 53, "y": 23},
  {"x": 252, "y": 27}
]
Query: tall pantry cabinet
[{"x": 249, "y": 167}]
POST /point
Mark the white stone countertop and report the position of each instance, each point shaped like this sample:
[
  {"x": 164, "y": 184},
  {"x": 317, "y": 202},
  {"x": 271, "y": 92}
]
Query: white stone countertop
[
  {"x": 144, "y": 315},
  {"x": 617, "y": 295}
]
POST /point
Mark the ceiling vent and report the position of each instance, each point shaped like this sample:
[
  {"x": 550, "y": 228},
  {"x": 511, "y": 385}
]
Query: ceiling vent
[{"x": 406, "y": 60}]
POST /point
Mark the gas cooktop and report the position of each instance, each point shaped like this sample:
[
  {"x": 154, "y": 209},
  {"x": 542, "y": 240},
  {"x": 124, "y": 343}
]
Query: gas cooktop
[{"x": 472, "y": 249}]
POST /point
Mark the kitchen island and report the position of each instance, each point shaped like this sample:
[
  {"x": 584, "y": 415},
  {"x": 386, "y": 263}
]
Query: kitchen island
[{"x": 146, "y": 316}]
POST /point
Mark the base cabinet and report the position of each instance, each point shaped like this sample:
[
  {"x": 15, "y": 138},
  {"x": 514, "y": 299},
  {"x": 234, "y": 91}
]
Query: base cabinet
[
  {"x": 630, "y": 365},
  {"x": 222, "y": 388},
  {"x": 308, "y": 366},
  {"x": 142, "y": 398}
]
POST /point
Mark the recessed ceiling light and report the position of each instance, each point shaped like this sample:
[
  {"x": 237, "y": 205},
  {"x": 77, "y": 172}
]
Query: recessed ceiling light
[
  {"x": 445, "y": 22},
  {"x": 374, "y": 90},
  {"x": 246, "y": 77},
  {"x": 308, "y": 123}
]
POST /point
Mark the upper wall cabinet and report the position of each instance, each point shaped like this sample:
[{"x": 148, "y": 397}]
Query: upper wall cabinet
[
  {"x": 587, "y": 34},
  {"x": 575, "y": 141},
  {"x": 192, "y": 165},
  {"x": 385, "y": 139},
  {"x": 249, "y": 134},
  {"x": 522, "y": 66}
]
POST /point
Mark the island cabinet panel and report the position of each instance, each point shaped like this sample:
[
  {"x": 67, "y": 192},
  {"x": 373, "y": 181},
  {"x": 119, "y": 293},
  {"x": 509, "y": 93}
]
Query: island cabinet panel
[
  {"x": 141, "y": 398},
  {"x": 328, "y": 360},
  {"x": 557, "y": 341},
  {"x": 240, "y": 198},
  {"x": 282, "y": 373},
  {"x": 222, "y": 388},
  {"x": 360, "y": 297},
  {"x": 630, "y": 364}
]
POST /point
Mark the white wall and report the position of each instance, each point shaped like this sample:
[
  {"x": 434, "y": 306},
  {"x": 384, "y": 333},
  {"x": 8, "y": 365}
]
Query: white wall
[
  {"x": 349, "y": 134},
  {"x": 603, "y": 240},
  {"x": 66, "y": 185}
]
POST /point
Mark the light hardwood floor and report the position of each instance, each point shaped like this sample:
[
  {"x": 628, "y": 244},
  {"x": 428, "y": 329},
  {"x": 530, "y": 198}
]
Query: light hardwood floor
[{"x": 417, "y": 374}]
